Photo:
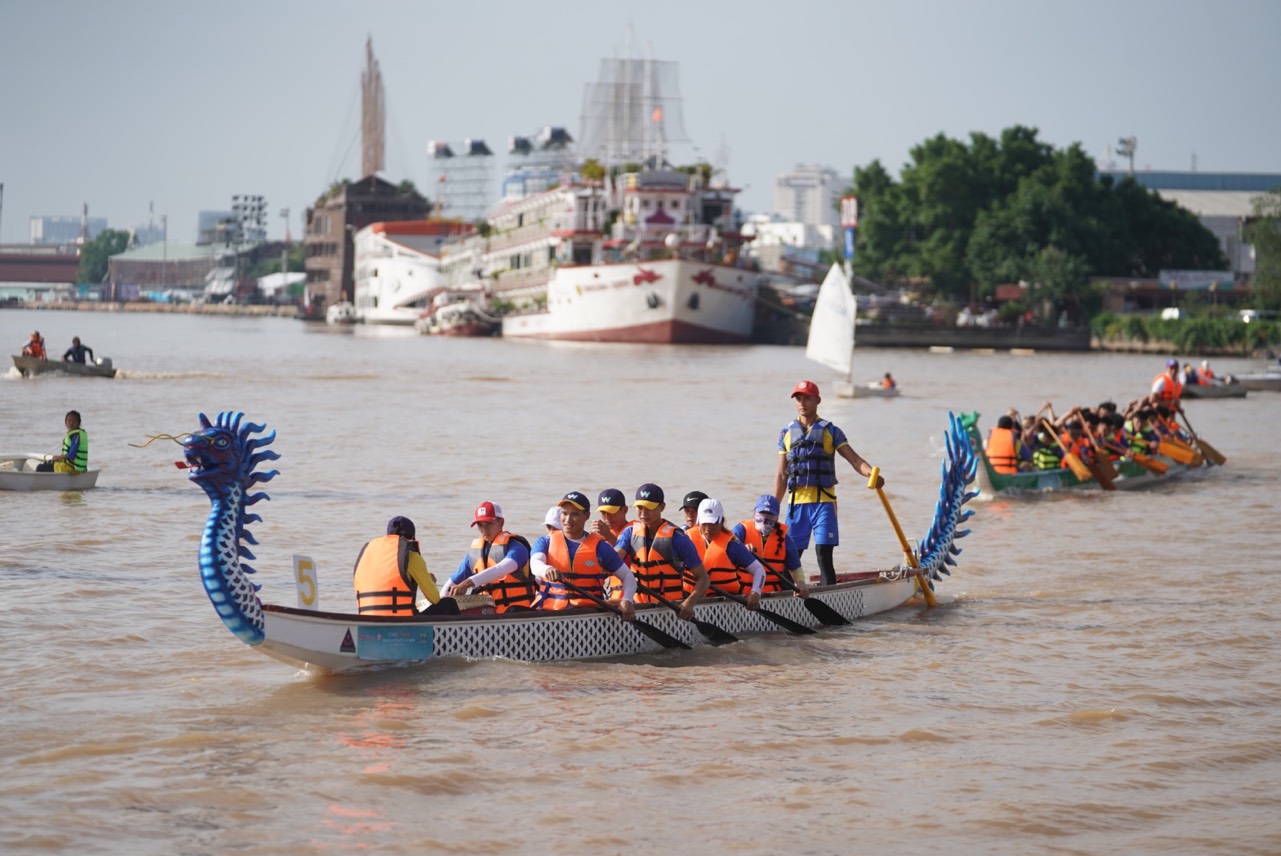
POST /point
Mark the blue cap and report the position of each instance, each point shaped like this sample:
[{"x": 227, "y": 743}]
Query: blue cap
[
  {"x": 767, "y": 503},
  {"x": 611, "y": 499},
  {"x": 401, "y": 526},
  {"x": 577, "y": 499},
  {"x": 649, "y": 495}
]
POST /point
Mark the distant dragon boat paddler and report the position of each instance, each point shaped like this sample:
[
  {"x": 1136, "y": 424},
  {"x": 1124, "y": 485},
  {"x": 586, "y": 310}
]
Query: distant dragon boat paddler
[
  {"x": 661, "y": 554},
  {"x": 497, "y": 564}
]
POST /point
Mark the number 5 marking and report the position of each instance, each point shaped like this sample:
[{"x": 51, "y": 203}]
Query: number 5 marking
[{"x": 305, "y": 579}]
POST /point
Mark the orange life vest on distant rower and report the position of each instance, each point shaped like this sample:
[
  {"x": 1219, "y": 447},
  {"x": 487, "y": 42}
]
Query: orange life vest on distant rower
[
  {"x": 724, "y": 574},
  {"x": 1000, "y": 451},
  {"x": 656, "y": 565},
  {"x": 772, "y": 552},
  {"x": 381, "y": 578}
]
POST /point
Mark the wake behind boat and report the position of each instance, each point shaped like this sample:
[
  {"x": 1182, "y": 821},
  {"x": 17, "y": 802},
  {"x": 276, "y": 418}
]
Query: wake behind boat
[
  {"x": 831, "y": 336},
  {"x": 18, "y": 472},
  {"x": 224, "y": 455},
  {"x": 31, "y": 366}
]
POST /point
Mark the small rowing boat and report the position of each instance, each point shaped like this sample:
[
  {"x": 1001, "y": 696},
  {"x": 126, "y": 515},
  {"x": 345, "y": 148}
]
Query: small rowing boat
[
  {"x": 18, "y": 472},
  {"x": 31, "y": 366},
  {"x": 1231, "y": 388},
  {"x": 223, "y": 458}
]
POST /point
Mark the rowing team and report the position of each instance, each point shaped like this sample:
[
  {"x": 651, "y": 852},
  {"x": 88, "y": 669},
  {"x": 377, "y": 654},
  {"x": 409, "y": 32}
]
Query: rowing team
[
  {"x": 1044, "y": 442},
  {"x": 614, "y": 564}
]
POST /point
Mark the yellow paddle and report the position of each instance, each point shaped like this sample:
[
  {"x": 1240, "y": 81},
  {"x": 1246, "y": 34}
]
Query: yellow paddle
[
  {"x": 1152, "y": 465},
  {"x": 921, "y": 584},
  {"x": 1210, "y": 452},
  {"x": 1078, "y": 467}
]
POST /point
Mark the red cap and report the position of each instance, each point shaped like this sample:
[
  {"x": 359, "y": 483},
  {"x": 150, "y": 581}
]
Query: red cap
[
  {"x": 805, "y": 387},
  {"x": 486, "y": 512}
]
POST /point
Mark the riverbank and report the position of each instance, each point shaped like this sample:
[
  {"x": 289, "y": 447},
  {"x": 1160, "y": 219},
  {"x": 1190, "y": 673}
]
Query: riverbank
[{"x": 224, "y": 309}]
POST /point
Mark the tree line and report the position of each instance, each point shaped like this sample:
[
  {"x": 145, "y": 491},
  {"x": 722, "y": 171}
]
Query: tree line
[{"x": 963, "y": 218}]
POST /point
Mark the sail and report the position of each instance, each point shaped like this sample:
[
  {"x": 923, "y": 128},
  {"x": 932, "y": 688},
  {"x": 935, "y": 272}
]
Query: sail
[{"x": 831, "y": 340}]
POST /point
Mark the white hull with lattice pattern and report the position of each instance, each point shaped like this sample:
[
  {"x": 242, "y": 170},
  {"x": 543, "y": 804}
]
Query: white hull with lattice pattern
[{"x": 336, "y": 642}]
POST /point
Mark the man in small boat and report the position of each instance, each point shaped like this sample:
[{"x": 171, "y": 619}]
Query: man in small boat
[
  {"x": 583, "y": 559},
  {"x": 888, "y": 382},
  {"x": 75, "y": 449},
  {"x": 661, "y": 554},
  {"x": 497, "y": 563},
  {"x": 390, "y": 572},
  {"x": 689, "y": 508},
  {"x": 35, "y": 347},
  {"x": 77, "y": 352},
  {"x": 768, "y": 541},
  {"x": 807, "y": 450},
  {"x": 1166, "y": 388}
]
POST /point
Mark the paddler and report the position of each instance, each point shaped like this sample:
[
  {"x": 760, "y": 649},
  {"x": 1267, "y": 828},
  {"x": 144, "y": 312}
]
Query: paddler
[
  {"x": 582, "y": 558},
  {"x": 497, "y": 564},
  {"x": 390, "y": 572},
  {"x": 661, "y": 554}
]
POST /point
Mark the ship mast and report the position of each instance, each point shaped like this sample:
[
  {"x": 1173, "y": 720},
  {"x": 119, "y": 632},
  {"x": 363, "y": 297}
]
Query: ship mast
[{"x": 372, "y": 114}]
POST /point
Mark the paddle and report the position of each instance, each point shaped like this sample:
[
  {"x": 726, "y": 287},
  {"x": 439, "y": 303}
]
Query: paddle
[
  {"x": 781, "y": 620},
  {"x": 649, "y": 630},
  {"x": 1210, "y": 452},
  {"x": 710, "y": 631},
  {"x": 1152, "y": 465},
  {"x": 824, "y": 613},
  {"x": 1078, "y": 467},
  {"x": 1176, "y": 451},
  {"x": 922, "y": 585},
  {"x": 1105, "y": 461}
]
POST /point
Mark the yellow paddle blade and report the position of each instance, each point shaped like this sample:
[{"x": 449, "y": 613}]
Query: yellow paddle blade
[
  {"x": 1175, "y": 451},
  {"x": 1078, "y": 467},
  {"x": 1212, "y": 453}
]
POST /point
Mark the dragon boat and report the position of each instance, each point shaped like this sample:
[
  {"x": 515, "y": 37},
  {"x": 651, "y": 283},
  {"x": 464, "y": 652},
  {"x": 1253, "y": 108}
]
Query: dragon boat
[
  {"x": 1130, "y": 472},
  {"x": 223, "y": 457}
]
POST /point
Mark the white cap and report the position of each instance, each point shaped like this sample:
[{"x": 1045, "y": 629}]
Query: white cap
[
  {"x": 553, "y": 517},
  {"x": 710, "y": 511}
]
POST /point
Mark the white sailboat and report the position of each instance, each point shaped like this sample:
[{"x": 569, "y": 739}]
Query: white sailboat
[{"x": 831, "y": 339}]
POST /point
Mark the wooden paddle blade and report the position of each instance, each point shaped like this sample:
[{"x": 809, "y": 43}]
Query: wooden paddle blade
[
  {"x": 1078, "y": 467},
  {"x": 1151, "y": 464},
  {"x": 1100, "y": 474},
  {"x": 824, "y": 613},
  {"x": 1212, "y": 453},
  {"x": 1175, "y": 451}
]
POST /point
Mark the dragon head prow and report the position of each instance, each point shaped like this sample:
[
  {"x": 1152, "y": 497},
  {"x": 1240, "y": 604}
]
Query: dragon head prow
[{"x": 222, "y": 453}]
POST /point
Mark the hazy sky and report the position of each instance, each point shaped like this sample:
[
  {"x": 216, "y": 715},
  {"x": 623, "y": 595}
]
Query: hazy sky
[{"x": 130, "y": 103}]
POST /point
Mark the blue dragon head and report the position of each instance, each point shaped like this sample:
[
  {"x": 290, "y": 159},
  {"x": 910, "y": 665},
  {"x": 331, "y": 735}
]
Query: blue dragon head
[{"x": 223, "y": 458}]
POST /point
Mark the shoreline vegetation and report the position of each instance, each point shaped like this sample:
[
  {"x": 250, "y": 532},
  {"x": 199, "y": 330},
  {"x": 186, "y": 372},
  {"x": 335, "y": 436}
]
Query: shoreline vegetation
[{"x": 1199, "y": 336}]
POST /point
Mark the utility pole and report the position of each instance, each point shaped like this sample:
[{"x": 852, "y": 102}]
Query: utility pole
[
  {"x": 284, "y": 254},
  {"x": 1125, "y": 148}
]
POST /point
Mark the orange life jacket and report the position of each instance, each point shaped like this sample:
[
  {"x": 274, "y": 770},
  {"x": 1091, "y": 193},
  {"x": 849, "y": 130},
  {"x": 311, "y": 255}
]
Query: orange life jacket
[
  {"x": 1170, "y": 390},
  {"x": 515, "y": 589},
  {"x": 381, "y": 578},
  {"x": 771, "y": 552},
  {"x": 656, "y": 564},
  {"x": 584, "y": 571},
  {"x": 725, "y": 575},
  {"x": 1000, "y": 451}
]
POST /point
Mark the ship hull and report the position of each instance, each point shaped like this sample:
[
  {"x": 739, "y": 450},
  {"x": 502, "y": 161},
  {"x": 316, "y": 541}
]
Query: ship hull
[{"x": 667, "y": 301}]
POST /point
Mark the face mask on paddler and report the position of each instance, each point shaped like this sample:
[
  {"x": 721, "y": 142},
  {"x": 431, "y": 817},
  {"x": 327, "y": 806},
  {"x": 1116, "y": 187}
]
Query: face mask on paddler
[{"x": 765, "y": 523}]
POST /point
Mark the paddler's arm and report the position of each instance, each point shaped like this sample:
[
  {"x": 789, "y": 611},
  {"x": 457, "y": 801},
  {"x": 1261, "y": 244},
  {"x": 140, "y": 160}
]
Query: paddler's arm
[
  {"x": 610, "y": 561},
  {"x": 860, "y": 466},
  {"x": 418, "y": 573}
]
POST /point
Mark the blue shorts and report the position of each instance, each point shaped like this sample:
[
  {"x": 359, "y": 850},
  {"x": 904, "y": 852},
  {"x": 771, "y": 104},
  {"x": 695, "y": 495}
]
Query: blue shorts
[{"x": 818, "y": 518}]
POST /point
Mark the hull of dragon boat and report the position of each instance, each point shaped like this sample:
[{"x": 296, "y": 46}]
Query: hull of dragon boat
[
  {"x": 666, "y": 301},
  {"x": 339, "y": 642}
]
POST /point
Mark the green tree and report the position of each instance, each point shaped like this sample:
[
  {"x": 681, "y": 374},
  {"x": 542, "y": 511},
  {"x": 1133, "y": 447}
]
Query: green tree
[
  {"x": 94, "y": 254},
  {"x": 1264, "y": 232}
]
